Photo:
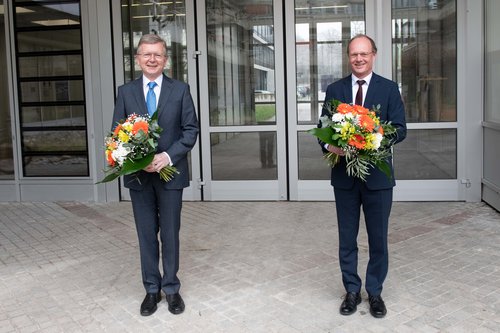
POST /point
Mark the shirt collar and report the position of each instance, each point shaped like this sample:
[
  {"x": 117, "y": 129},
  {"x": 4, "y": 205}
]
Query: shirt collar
[
  {"x": 366, "y": 78},
  {"x": 158, "y": 81}
]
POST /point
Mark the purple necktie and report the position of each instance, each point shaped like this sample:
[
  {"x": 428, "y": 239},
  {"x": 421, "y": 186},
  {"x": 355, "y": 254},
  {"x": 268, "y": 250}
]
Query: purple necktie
[{"x": 359, "y": 94}]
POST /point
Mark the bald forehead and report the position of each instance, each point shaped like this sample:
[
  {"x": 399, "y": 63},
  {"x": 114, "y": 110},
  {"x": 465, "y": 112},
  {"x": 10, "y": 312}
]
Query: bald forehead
[{"x": 361, "y": 44}]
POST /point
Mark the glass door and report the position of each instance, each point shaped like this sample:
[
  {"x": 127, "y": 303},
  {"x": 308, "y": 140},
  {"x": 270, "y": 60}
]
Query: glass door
[
  {"x": 242, "y": 100},
  {"x": 417, "y": 45},
  {"x": 264, "y": 69},
  {"x": 174, "y": 22},
  {"x": 316, "y": 52},
  {"x": 424, "y": 64},
  {"x": 8, "y": 190}
]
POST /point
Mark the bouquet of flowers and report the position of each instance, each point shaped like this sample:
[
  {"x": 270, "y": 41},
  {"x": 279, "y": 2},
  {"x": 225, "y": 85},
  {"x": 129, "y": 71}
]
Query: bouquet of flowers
[
  {"x": 359, "y": 132},
  {"x": 132, "y": 146}
]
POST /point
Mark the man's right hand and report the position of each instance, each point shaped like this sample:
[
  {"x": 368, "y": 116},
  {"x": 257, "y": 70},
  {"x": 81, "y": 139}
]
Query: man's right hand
[{"x": 335, "y": 150}]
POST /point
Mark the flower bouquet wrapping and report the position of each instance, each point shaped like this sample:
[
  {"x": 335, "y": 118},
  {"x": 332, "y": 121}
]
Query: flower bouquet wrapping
[
  {"x": 359, "y": 132},
  {"x": 131, "y": 147}
]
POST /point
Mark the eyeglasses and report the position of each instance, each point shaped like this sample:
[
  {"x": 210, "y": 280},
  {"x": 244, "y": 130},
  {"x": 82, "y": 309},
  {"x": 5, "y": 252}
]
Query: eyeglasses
[
  {"x": 362, "y": 54},
  {"x": 149, "y": 55}
]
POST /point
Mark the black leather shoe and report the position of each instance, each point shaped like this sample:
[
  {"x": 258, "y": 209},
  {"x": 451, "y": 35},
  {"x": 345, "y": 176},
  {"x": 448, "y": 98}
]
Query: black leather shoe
[
  {"x": 175, "y": 303},
  {"x": 350, "y": 303},
  {"x": 377, "y": 306},
  {"x": 148, "y": 306}
]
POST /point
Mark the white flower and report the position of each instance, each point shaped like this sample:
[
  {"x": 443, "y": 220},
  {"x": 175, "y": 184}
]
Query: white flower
[
  {"x": 377, "y": 140},
  {"x": 120, "y": 154},
  {"x": 349, "y": 115},
  {"x": 337, "y": 117}
]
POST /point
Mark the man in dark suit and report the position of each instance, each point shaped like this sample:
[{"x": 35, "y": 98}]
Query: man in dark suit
[
  {"x": 156, "y": 203},
  {"x": 374, "y": 195}
]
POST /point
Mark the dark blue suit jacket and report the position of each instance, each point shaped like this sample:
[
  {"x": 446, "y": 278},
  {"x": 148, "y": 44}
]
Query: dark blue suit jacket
[
  {"x": 177, "y": 118},
  {"x": 380, "y": 91}
]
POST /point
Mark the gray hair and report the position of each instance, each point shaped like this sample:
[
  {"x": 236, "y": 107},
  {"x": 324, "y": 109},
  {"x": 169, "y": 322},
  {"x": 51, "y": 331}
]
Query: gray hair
[{"x": 152, "y": 39}]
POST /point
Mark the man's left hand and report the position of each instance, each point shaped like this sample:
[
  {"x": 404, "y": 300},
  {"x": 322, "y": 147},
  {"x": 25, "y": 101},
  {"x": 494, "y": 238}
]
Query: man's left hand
[{"x": 160, "y": 161}]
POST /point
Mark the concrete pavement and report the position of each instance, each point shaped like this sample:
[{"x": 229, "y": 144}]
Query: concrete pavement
[{"x": 246, "y": 267}]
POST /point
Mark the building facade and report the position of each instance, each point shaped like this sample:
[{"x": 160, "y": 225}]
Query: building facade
[{"x": 258, "y": 70}]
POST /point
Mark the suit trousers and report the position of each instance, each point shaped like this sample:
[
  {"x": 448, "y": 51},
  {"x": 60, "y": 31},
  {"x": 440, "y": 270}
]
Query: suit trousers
[
  {"x": 158, "y": 210},
  {"x": 376, "y": 208}
]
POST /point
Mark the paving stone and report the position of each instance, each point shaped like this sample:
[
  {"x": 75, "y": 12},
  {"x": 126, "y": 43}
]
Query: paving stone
[{"x": 247, "y": 267}]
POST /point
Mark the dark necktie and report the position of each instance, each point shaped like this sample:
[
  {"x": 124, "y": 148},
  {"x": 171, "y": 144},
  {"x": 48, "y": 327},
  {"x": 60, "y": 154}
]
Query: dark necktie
[
  {"x": 359, "y": 94},
  {"x": 151, "y": 98}
]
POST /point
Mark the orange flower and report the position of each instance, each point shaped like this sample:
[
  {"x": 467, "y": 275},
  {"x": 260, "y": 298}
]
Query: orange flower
[
  {"x": 117, "y": 129},
  {"x": 360, "y": 109},
  {"x": 111, "y": 145},
  {"x": 381, "y": 130},
  {"x": 344, "y": 108},
  {"x": 140, "y": 125},
  {"x": 367, "y": 123},
  {"x": 109, "y": 158},
  {"x": 357, "y": 141}
]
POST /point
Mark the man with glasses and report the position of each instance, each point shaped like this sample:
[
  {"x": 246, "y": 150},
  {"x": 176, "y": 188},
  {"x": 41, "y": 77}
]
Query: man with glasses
[
  {"x": 157, "y": 204},
  {"x": 363, "y": 87}
]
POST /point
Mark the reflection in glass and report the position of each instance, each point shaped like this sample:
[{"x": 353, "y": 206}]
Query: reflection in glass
[
  {"x": 51, "y": 88},
  {"x": 168, "y": 20},
  {"x": 241, "y": 69},
  {"x": 424, "y": 39},
  {"x": 427, "y": 154},
  {"x": 321, "y": 35},
  {"x": 37, "y": 14},
  {"x": 244, "y": 156},
  {"x": 492, "y": 62},
  {"x": 48, "y": 40},
  {"x": 51, "y": 91},
  {"x": 6, "y": 157},
  {"x": 49, "y": 116},
  {"x": 55, "y": 165},
  {"x": 311, "y": 165},
  {"x": 164, "y": 18},
  {"x": 57, "y": 65},
  {"x": 54, "y": 141}
]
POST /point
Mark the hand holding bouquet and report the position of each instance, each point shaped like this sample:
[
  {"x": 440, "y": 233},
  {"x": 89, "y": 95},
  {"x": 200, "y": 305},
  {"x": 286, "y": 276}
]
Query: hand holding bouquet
[
  {"x": 132, "y": 146},
  {"x": 362, "y": 136}
]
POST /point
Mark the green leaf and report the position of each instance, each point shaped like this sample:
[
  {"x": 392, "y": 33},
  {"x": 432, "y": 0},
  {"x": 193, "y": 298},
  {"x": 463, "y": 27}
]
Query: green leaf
[
  {"x": 324, "y": 134},
  {"x": 385, "y": 168},
  {"x": 155, "y": 115},
  {"x": 152, "y": 142},
  {"x": 130, "y": 166},
  {"x": 109, "y": 178}
]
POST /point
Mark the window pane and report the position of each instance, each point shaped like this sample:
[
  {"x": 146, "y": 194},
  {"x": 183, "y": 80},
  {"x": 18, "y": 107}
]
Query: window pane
[
  {"x": 48, "y": 44},
  {"x": 165, "y": 18},
  {"x": 61, "y": 65},
  {"x": 51, "y": 91},
  {"x": 37, "y": 1},
  {"x": 55, "y": 14},
  {"x": 424, "y": 154},
  {"x": 6, "y": 157},
  {"x": 311, "y": 165},
  {"x": 427, "y": 154},
  {"x": 424, "y": 48},
  {"x": 49, "y": 40},
  {"x": 322, "y": 31},
  {"x": 54, "y": 141},
  {"x": 56, "y": 165},
  {"x": 49, "y": 116},
  {"x": 492, "y": 59},
  {"x": 244, "y": 156},
  {"x": 240, "y": 62}
]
